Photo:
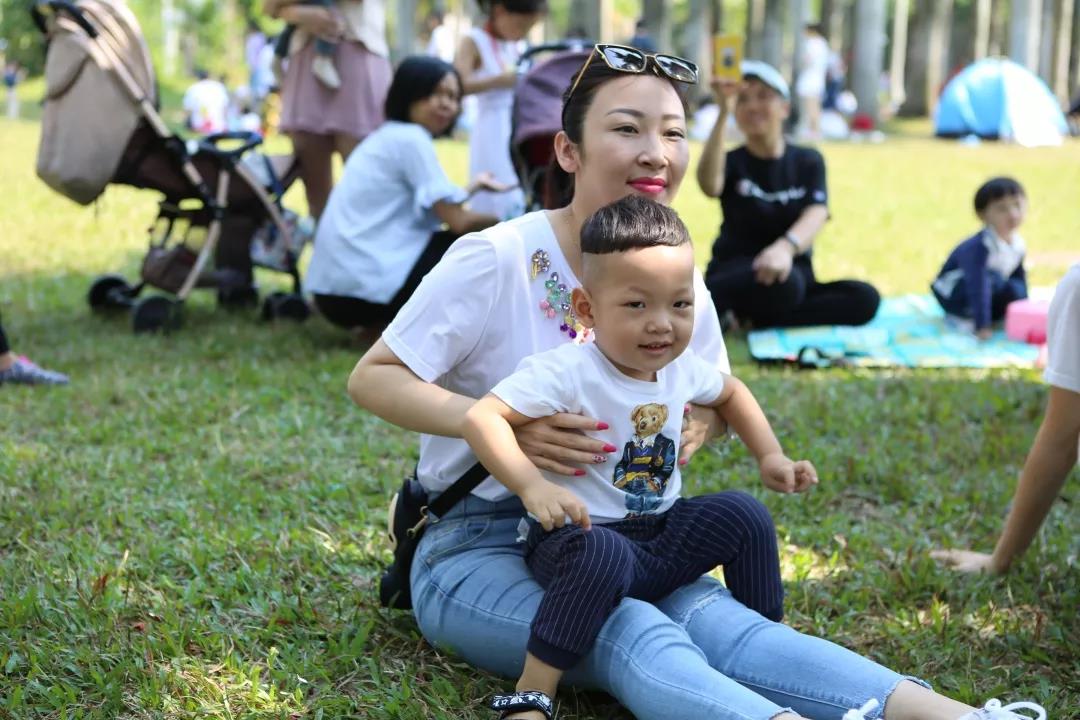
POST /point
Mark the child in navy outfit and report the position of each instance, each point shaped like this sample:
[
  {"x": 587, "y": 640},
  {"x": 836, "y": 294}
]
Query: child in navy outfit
[
  {"x": 623, "y": 531},
  {"x": 986, "y": 272}
]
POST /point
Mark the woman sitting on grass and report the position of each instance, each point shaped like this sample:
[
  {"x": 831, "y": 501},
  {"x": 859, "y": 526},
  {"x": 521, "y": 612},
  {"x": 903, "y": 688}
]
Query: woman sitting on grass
[
  {"x": 774, "y": 201},
  {"x": 383, "y": 225},
  {"x": 501, "y": 295}
]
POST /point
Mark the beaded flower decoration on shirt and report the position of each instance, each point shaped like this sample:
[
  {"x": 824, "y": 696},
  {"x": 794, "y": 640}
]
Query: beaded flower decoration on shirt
[{"x": 556, "y": 305}]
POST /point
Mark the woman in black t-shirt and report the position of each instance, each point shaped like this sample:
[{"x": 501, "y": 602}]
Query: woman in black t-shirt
[{"x": 774, "y": 201}]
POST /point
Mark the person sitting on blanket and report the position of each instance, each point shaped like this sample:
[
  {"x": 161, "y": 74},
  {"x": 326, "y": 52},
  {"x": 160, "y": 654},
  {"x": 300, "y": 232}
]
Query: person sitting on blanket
[
  {"x": 775, "y": 202},
  {"x": 985, "y": 273}
]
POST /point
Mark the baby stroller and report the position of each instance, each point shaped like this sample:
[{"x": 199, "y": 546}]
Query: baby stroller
[
  {"x": 537, "y": 117},
  {"x": 101, "y": 124}
]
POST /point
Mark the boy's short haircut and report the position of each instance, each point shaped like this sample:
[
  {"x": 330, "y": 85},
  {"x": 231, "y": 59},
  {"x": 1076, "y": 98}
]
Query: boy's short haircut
[
  {"x": 632, "y": 223},
  {"x": 518, "y": 7},
  {"x": 995, "y": 189}
]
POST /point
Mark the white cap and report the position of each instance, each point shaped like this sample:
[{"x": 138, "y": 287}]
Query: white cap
[{"x": 767, "y": 74}]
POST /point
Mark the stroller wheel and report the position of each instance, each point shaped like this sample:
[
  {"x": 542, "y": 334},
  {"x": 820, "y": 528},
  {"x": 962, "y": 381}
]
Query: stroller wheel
[
  {"x": 289, "y": 306},
  {"x": 154, "y": 314},
  {"x": 110, "y": 292}
]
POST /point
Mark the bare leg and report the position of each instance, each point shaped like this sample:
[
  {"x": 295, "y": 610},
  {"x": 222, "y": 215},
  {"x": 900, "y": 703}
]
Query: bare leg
[
  {"x": 315, "y": 153},
  {"x": 7, "y": 359},
  {"x": 537, "y": 675},
  {"x": 345, "y": 144},
  {"x": 911, "y": 701}
]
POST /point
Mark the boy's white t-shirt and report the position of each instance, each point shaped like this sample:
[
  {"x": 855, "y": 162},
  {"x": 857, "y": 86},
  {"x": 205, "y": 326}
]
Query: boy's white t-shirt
[
  {"x": 645, "y": 422},
  {"x": 477, "y": 314},
  {"x": 1063, "y": 333}
]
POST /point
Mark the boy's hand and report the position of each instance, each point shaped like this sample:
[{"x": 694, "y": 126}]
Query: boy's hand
[
  {"x": 780, "y": 474},
  {"x": 550, "y": 504}
]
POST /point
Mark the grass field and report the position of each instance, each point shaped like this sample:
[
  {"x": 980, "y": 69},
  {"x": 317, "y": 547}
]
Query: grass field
[{"x": 193, "y": 527}]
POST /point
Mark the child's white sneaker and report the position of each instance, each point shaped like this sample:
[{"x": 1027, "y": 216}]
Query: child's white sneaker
[
  {"x": 994, "y": 710},
  {"x": 323, "y": 69}
]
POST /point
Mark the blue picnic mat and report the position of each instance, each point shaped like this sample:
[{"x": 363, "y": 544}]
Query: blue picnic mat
[{"x": 908, "y": 331}]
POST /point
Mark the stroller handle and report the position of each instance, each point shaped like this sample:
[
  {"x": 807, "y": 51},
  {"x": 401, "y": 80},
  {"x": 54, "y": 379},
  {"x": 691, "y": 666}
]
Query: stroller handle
[
  {"x": 248, "y": 139},
  {"x": 564, "y": 46},
  {"x": 37, "y": 11}
]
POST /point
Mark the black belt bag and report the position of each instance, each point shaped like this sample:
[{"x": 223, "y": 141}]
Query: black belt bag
[{"x": 407, "y": 518}]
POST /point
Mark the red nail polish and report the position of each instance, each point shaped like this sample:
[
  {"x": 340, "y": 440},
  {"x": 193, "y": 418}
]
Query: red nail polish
[
  {"x": 579, "y": 473},
  {"x": 602, "y": 426},
  {"x": 683, "y": 461},
  {"x": 608, "y": 447}
]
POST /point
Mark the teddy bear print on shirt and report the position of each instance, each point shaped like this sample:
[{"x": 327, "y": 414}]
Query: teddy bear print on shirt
[{"x": 647, "y": 461}]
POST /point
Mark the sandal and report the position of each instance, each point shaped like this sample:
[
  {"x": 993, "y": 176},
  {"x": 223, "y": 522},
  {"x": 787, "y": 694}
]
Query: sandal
[{"x": 525, "y": 700}]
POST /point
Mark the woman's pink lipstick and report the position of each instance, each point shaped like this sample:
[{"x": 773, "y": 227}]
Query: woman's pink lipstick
[{"x": 649, "y": 186}]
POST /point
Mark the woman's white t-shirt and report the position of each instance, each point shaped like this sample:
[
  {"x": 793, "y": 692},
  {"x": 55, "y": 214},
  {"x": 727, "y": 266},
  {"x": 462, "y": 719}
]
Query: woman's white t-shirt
[
  {"x": 380, "y": 216},
  {"x": 477, "y": 314},
  {"x": 644, "y": 422},
  {"x": 1063, "y": 333}
]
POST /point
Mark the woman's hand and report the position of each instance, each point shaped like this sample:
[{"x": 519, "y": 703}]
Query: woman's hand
[
  {"x": 773, "y": 264},
  {"x": 699, "y": 426},
  {"x": 967, "y": 561},
  {"x": 558, "y": 442},
  {"x": 724, "y": 91},
  {"x": 487, "y": 181}
]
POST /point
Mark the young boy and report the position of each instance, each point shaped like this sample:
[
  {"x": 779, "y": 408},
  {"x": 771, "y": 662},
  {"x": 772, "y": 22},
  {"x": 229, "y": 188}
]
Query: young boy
[
  {"x": 986, "y": 272},
  {"x": 624, "y": 531}
]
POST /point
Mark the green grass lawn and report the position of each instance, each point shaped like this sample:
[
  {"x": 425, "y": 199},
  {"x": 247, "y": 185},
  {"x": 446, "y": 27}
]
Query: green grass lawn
[{"x": 192, "y": 529}]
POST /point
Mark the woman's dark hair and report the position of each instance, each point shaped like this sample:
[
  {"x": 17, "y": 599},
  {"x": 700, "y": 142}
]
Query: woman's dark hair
[
  {"x": 995, "y": 189},
  {"x": 521, "y": 7},
  {"x": 416, "y": 79},
  {"x": 575, "y": 105}
]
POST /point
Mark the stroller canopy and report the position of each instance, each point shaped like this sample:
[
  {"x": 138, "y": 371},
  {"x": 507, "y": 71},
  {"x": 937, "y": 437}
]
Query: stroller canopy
[
  {"x": 999, "y": 99},
  {"x": 538, "y": 96}
]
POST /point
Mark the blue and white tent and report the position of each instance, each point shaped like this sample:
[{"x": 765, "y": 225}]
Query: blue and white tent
[{"x": 999, "y": 99}]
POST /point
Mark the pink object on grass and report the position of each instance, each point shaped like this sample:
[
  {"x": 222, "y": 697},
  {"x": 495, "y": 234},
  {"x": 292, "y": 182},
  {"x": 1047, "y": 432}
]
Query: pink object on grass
[{"x": 1025, "y": 320}]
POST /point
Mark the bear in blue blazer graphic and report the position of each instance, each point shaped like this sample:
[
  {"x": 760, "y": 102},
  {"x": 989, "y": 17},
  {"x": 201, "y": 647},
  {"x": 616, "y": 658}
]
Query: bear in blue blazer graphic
[{"x": 647, "y": 461}]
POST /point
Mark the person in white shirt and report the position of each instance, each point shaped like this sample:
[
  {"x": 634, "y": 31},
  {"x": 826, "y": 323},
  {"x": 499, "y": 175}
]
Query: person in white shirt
[
  {"x": 382, "y": 229},
  {"x": 1054, "y": 452},
  {"x": 622, "y": 530},
  {"x": 206, "y": 105},
  {"x": 696, "y": 653}
]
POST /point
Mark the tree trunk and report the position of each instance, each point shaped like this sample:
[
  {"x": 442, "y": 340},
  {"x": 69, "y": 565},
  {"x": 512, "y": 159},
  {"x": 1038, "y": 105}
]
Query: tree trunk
[
  {"x": 716, "y": 16},
  {"x": 594, "y": 17},
  {"x": 405, "y": 28},
  {"x": 832, "y": 20},
  {"x": 1024, "y": 25},
  {"x": 696, "y": 35},
  {"x": 658, "y": 22},
  {"x": 1074, "y": 72},
  {"x": 772, "y": 43},
  {"x": 1046, "y": 45},
  {"x": 755, "y": 28},
  {"x": 982, "y": 29},
  {"x": 898, "y": 53},
  {"x": 927, "y": 55},
  {"x": 867, "y": 60},
  {"x": 800, "y": 16},
  {"x": 1063, "y": 50},
  {"x": 170, "y": 27}
]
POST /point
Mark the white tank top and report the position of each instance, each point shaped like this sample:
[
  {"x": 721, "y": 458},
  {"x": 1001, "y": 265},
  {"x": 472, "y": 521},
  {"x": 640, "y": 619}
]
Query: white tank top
[{"x": 489, "y": 141}]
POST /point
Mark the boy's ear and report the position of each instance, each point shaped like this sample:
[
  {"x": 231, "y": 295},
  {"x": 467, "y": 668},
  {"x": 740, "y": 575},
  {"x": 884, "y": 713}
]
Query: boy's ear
[{"x": 581, "y": 303}]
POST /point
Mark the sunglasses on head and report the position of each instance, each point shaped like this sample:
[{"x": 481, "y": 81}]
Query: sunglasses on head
[{"x": 631, "y": 60}]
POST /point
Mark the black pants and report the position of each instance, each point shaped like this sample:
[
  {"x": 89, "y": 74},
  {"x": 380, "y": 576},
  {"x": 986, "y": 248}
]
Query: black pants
[
  {"x": 586, "y": 574},
  {"x": 350, "y": 312},
  {"x": 4, "y": 347},
  {"x": 1002, "y": 292},
  {"x": 798, "y": 301}
]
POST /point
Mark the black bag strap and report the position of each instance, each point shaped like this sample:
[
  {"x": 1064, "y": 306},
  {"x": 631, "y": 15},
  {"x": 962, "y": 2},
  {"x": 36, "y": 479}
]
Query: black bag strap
[{"x": 456, "y": 492}]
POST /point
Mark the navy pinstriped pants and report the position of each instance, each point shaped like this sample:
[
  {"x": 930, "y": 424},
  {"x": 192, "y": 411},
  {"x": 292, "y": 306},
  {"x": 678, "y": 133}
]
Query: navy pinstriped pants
[{"x": 586, "y": 574}]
